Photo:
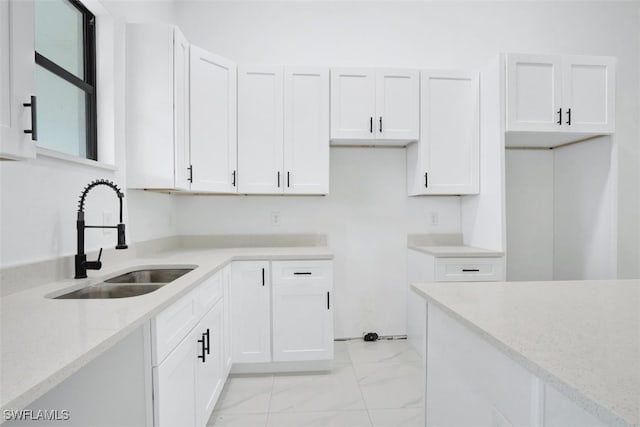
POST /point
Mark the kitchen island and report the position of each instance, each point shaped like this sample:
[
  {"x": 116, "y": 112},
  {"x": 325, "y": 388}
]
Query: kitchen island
[{"x": 533, "y": 353}]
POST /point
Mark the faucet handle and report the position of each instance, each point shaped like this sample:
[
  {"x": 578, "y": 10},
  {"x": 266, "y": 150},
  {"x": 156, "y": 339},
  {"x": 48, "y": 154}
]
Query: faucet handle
[{"x": 94, "y": 265}]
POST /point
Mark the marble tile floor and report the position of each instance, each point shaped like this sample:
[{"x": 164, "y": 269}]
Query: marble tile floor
[{"x": 372, "y": 384}]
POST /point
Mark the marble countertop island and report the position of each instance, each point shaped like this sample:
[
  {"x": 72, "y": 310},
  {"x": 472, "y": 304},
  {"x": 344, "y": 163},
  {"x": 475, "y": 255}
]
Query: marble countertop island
[{"x": 582, "y": 337}]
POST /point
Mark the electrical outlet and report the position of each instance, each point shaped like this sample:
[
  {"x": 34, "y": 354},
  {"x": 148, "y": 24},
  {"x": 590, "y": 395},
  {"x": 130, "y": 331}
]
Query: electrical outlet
[
  {"x": 433, "y": 218},
  {"x": 275, "y": 218},
  {"x": 107, "y": 220}
]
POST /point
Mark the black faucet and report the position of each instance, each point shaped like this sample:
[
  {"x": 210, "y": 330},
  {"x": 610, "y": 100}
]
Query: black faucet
[{"x": 82, "y": 265}]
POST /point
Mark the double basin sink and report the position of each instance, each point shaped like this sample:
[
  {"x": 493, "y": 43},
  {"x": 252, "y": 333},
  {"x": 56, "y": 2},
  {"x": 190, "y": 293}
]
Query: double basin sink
[{"x": 131, "y": 284}]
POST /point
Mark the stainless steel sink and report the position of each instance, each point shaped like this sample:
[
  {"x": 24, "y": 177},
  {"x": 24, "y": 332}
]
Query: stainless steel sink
[
  {"x": 108, "y": 290},
  {"x": 131, "y": 284},
  {"x": 156, "y": 275}
]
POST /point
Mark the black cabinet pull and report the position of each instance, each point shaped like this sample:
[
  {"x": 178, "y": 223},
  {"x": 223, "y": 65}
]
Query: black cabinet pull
[
  {"x": 263, "y": 277},
  {"x": 470, "y": 270},
  {"x": 302, "y": 273},
  {"x": 233, "y": 181},
  {"x": 190, "y": 169},
  {"x": 370, "y": 124},
  {"x": 203, "y": 348},
  {"x": 206, "y": 347},
  {"x": 569, "y": 116},
  {"x": 288, "y": 180},
  {"x": 328, "y": 303},
  {"x": 559, "y": 113},
  {"x": 380, "y": 124},
  {"x": 278, "y": 179},
  {"x": 426, "y": 180},
  {"x": 34, "y": 118}
]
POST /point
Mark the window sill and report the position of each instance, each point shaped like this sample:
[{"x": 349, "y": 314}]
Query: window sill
[{"x": 43, "y": 152}]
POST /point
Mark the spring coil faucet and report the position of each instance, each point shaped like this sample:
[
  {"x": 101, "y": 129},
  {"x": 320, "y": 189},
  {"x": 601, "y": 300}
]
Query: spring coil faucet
[{"x": 82, "y": 265}]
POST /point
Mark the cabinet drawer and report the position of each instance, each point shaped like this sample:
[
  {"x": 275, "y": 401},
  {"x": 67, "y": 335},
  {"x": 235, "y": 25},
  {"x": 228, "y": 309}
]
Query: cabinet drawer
[
  {"x": 208, "y": 293},
  {"x": 171, "y": 326},
  {"x": 288, "y": 272},
  {"x": 469, "y": 269}
]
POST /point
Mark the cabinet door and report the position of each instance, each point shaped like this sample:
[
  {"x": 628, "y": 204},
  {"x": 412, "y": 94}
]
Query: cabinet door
[
  {"x": 448, "y": 150},
  {"x": 174, "y": 386},
  {"x": 534, "y": 95},
  {"x": 302, "y": 311},
  {"x": 352, "y": 103},
  {"x": 209, "y": 377},
  {"x": 227, "y": 330},
  {"x": 213, "y": 122},
  {"x": 588, "y": 94},
  {"x": 17, "y": 80},
  {"x": 180, "y": 110},
  {"x": 306, "y": 130},
  {"x": 397, "y": 105},
  {"x": 260, "y": 130},
  {"x": 250, "y": 308}
]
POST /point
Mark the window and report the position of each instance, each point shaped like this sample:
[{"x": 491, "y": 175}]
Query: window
[{"x": 66, "y": 77}]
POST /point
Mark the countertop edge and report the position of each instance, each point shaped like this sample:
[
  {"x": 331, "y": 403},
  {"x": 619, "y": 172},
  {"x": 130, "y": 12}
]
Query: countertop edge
[
  {"x": 596, "y": 409},
  {"x": 472, "y": 252}
]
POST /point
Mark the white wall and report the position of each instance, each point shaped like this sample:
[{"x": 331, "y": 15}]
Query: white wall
[
  {"x": 529, "y": 214},
  {"x": 584, "y": 211},
  {"x": 366, "y": 216},
  {"x": 39, "y": 198}
]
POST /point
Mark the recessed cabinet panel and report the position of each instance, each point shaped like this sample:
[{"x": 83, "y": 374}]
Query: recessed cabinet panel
[
  {"x": 17, "y": 79},
  {"x": 352, "y": 103},
  {"x": 209, "y": 377},
  {"x": 213, "y": 122},
  {"x": 306, "y": 127},
  {"x": 533, "y": 92},
  {"x": 588, "y": 91},
  {"x": 397, "y": 104},
  {"x": 260, "y": 130}
]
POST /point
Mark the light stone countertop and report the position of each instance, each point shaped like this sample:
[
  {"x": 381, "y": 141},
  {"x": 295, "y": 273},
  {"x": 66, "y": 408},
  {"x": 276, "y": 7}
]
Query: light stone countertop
[
  {"x": 456, "y": 251},
  {"x": 44, "y": 341},
  {"x": 582, "y": 337}
]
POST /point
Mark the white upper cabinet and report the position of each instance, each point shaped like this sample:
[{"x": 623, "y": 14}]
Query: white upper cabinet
[
  {"x": 260, "y": 130},
  {"x": 567, "y": 98},
  {"x": 534, "y": 95},
  {"x": 397, "y": 105},
  {"x": 374, "y": 106},
  {"x": 446, "y": 158},
  {"x": 157, "y": 97},
  {"x": 588, "y": 92},
  {"x": 283, "y": 130},
  {"x": 353, "y": 103},
  {"x": 17, "y": 81},
  {"x": 213, "y": 122},
  {"x": 306, "y": 130}
]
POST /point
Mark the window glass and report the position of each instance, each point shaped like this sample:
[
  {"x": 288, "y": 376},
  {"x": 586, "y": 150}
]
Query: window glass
[
  {"x": 59, "y": 34},
  {"x": 66, "y": 77},
  {"x": 63, "y": 127}
]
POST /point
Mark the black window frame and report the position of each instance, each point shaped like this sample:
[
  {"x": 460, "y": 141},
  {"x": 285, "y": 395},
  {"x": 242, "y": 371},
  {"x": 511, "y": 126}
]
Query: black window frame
[{"x": 88, "y": 83}]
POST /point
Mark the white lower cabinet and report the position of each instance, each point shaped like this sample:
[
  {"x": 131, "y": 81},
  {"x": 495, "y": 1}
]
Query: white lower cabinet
[
  {"x": 302, "y": 311},
  {"x": 227, "y": 333},
  {"x": 188, "y": 356},
  {"x": 282, "y": 312},
  {"x": 251, "y": 310},
  {"x": 173, "y": 386},
  {"x": 423, "y": 267},
  {"x": 209, "y": 373}
]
